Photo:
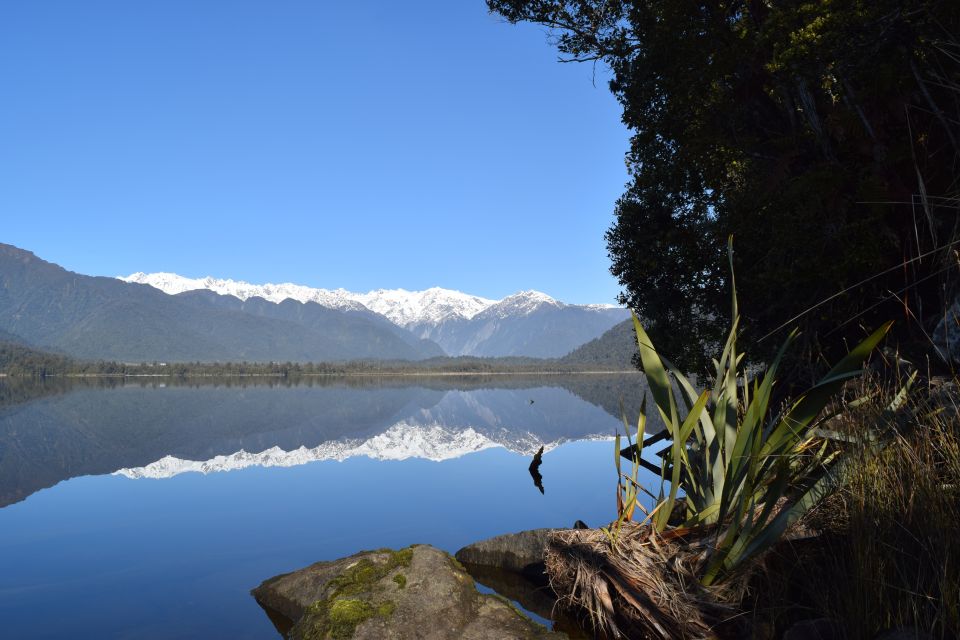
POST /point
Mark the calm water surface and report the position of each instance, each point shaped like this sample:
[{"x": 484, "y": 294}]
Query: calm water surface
[{"x": 149, "y": 511}]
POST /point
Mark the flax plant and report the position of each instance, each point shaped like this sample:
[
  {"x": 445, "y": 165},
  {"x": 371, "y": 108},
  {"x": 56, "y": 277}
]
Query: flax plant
[
  {"x": 744, "y": 467},
  {"x": 745, "y": 472}
]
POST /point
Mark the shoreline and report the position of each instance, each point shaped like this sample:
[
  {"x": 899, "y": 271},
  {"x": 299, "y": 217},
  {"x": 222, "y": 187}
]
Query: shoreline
[{"x": 346, "y": 374}]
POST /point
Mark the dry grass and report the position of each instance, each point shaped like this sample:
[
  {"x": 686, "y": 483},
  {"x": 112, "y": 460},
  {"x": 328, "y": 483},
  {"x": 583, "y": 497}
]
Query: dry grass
[
  {"x": 890, "y": 557},
  {"x": 898, "y": 560}
]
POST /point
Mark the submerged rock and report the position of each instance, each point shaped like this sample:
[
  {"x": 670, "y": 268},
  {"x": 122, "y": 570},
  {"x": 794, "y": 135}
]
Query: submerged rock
[
  {"x": 534, "y": 596},
  {"x": 519, "y": 552},
  {"x": 513, "y": 566},
  {"x": 417, "y": 592}
]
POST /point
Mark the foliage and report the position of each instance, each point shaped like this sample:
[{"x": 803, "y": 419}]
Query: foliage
[
  {"x": 824, "y": 135},
  {"x": 613, "y": 350},
  {"x": 894, "y": 562},
  {"x": 628, "y": 485},
  {"x": 21, "y": 361},
  {"x": 749, "y": 470},
  {"x": 745, "y": 472}
]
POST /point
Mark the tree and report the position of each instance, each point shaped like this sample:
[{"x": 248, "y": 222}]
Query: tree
[{"x": 822, "y": 135}]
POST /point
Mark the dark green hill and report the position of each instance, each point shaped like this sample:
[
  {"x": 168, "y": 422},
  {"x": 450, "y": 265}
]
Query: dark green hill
[
  {"x": 105, "y": 318},
  {"x": 612, "y": 350}
]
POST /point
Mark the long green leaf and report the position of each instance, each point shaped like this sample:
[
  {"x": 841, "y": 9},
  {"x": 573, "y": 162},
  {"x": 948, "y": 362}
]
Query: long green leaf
[
  {"x": 679, "y": 459},
  {"x": 749, "y": 434},
  {"x": 710, "y": 458},
  {"x": 792, "y": 426},
  {"x": 657, "y": 378}
]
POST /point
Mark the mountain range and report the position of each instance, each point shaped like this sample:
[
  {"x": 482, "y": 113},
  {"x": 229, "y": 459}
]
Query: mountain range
[
  {"x": 528, "y": 323},
  {"x": 166, "y": 317}
]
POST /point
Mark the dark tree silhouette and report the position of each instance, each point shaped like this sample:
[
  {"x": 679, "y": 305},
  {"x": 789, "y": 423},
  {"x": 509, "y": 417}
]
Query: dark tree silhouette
[{"x": 824, "y": 136}]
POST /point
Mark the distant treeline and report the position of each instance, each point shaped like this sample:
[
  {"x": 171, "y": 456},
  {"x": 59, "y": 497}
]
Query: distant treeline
[
  {"x": 19, "y": 360},
  {"x": 22, "y": 361}
]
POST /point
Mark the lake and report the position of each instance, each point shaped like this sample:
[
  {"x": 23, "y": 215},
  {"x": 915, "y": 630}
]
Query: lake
[{"x": 149, "y": 509}]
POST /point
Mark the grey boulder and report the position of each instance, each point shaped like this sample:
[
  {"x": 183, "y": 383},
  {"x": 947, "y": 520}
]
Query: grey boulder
[
  {"x": 519, "y": 552},
  {"x": 419, "y": 592}
]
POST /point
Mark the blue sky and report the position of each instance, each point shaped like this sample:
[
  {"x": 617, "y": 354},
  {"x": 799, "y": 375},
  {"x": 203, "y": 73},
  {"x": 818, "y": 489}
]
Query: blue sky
[{"x": 360, "y": 145}]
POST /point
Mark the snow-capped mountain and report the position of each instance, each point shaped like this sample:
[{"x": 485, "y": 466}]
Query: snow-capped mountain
[
  {"x": 49, "y": 307},
  {"x": 173, "y": 284},
  {"x": 524, "y": 303},
  {"x": 433, "y": 306},
  {"x": 401, "y": 442},
  {"x": 173, "y": 428},
  {"x": 402, "y": 307},
  {"x": 528, "y": 323}
]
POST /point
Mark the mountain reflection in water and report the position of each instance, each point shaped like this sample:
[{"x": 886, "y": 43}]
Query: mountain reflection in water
[
  {"x": 57, "y": 429},
  {"x": 434, "y": 460}
]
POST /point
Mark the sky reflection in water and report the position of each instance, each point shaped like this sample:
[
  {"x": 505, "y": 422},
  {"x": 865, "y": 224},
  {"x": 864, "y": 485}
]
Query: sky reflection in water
[{"x": 109, "y": 557}]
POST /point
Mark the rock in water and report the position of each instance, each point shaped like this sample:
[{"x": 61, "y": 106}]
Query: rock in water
[
  {"x": 417, "y": 592},
  {"x": 519, "y": 552}
]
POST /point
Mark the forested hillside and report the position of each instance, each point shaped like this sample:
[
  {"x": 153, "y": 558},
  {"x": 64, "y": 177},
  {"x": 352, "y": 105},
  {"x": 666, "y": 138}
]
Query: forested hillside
[{"x": 614, "y": 349}]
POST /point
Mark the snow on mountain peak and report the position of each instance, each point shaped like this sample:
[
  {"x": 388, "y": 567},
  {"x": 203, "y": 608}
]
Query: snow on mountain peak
[
  {"x": 523, "y": 303},
  {"x": 173, "y": 284},
  {"x": 401, "y": 441},
  {"x": 531, "y": 295},
  {"x": 405, "y": 308}
]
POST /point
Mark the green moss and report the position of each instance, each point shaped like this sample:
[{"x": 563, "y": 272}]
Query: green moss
[
  {"x": 403, "y": 557},
  {"x": 349, "y": 601},
  {"x": 346, "y": 614},
  {"x": 339, "y": 618},
  {"x": 315, "y": 622},
  {"x": 456, "y": 564},
  {"x": 361, "y": 577},
  {"x": 399, "y": 558}
]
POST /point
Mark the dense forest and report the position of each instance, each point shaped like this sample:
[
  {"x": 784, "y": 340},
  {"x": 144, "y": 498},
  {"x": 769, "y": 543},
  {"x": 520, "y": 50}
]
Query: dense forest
[{"x": 824, "y": 136}]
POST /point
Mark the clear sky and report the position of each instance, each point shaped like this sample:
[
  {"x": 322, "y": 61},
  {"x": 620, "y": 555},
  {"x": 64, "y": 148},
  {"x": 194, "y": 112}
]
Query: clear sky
[{"x": 360, "y": 144}]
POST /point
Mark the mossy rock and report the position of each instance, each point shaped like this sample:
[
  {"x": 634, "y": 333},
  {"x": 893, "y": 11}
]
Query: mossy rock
[
  {"x": 355, "y": 596},
  {"x": 338, "y": 617},
  {"x": 417, "y": 592}
]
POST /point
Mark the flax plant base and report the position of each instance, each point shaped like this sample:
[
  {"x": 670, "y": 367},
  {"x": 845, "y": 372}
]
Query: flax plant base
[{"x": 647, "y": 586}]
